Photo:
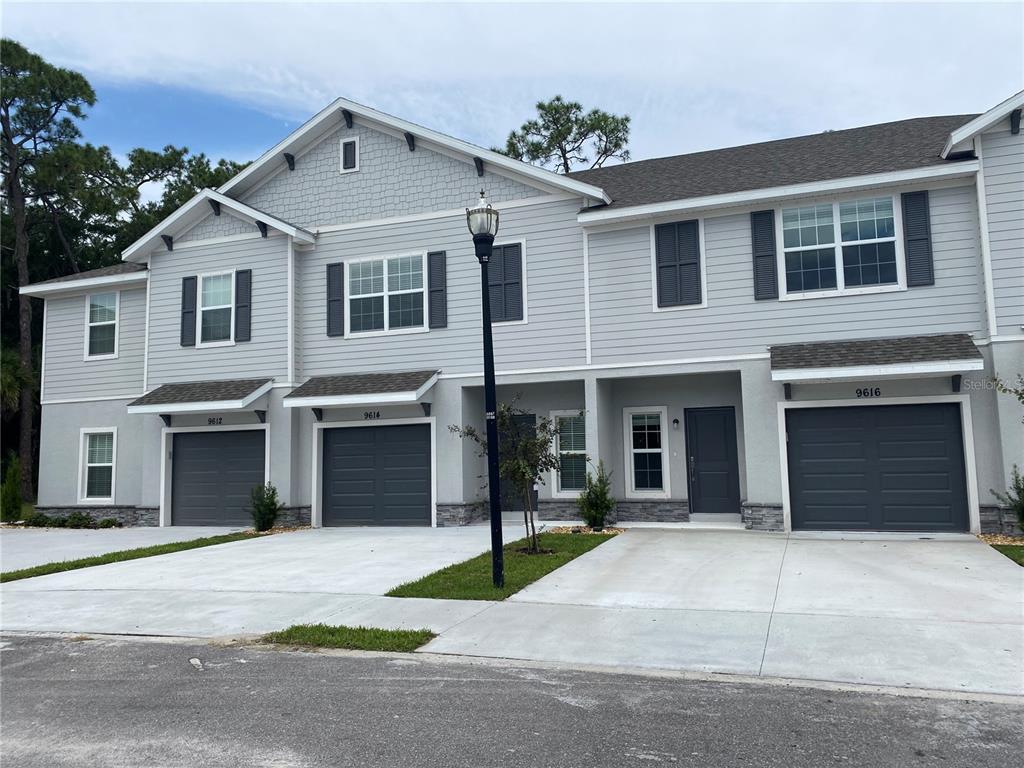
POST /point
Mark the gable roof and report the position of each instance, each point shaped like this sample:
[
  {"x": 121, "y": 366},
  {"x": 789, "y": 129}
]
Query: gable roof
[
  {"x": 332, "y": 116},
  {"x": 197, "y": 209},
  {"x": 898, "y": 146},
  {"x": 959, "y": 137}
]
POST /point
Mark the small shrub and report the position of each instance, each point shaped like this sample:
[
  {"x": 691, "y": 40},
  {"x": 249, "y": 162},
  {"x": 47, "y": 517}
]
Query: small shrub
[
  {"x": 79, "y": 520},
  {"x": 37, "y": 520},
  {"x": 595, "y": 500},
  {"x": 1014, "y": 497},
  {"x": 109, "y": 522},
  {"x": 58, "y": 522},
  {"x": 264, "y": 507},
  {"x": 10, "y": 492}
]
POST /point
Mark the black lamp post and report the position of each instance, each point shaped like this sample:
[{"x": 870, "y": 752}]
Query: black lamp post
[{"x": 483, "y": 225}]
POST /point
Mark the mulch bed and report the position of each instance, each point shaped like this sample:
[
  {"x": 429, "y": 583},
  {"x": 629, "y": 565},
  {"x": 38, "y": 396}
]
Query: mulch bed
[
  {"x": 585, "y": 530},
  {"x": 1001, "y": 538}
]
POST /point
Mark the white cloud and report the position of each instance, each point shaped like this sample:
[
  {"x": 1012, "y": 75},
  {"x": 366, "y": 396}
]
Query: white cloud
[{"x": 692, "y": 76}]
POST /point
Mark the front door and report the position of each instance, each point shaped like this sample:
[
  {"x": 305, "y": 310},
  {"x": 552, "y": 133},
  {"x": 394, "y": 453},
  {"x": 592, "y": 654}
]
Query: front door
[
  {"x": 525, "y": 425},
  {"x": 712, "y": 469}
]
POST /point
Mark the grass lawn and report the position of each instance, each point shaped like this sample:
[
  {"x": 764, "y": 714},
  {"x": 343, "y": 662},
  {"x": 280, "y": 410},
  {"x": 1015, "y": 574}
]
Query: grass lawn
[
  {"x": 1013, "y": 551},
  {"x": 124, "y": 554},
  {"x": 471, "y": 579},
  {"x": 353, "y": 638}
]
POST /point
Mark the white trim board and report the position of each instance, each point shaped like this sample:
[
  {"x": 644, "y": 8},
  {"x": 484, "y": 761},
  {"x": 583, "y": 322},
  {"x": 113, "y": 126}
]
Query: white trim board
[
  {"x": 986, "y": 245},
  {"x": 616, "y": 366},
  {"x": 554, "y": 475},
  {"x": 86, "y": 357},
  {"x": 966, "y": 428},
  {"x": 894, "y": 371},
  {"x": 851, "y": 183},
  {"x": 204, "y": 406},
  {"x": 316, "y": 488},
  {"x": 83, "y": 435},
  {"x": 629, "y": 490},
  {"x": 982, "y": 122},
  {"x": 330, "y": 117},
  {"x": 167, "y": 464},
  {"x": 41, "y": 290}
]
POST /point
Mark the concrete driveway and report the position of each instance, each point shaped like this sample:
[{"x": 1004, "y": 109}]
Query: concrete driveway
[
  {"x": 26, "y": 547},
  {"x": 250, "y": 587},
  {"x": 943, "y": 613}
]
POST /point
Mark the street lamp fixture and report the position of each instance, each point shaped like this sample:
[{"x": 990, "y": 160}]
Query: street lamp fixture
[{"x": 483, "y": 225}]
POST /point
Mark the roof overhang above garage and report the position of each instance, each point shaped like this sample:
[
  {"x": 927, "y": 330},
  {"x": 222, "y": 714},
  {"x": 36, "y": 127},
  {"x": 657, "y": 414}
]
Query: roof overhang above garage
[
  {"x": 202, "y": 397},
  {"x": 362, "y": 389},
  {"x": 892, "y": 358}
]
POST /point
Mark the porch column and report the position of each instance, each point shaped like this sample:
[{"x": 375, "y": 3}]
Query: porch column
[
  {"x": 762, "y": 507},
  {"x": 593, "y": 404}
]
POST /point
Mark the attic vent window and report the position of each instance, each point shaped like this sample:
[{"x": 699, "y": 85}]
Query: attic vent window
[{"x": 350, "y": 155}]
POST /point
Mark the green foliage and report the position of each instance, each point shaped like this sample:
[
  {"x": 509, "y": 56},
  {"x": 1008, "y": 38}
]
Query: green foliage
[
  {"x": 1014, "y": 496},
  {"x": 595, "y": 500},
  {"x": 471, "y": 579},
  {"x": 525, "y": 457},
  {"x": 1016, "y": 391},
  {"x": 12, "y": 379},
  {"x": 264, "y": 507},
  {"x": 109, "y": 522},
  {"x": 10, "y": 492},
  {"x": 118, "y": 557},
  {"x": 1013, "y": 551},
  {"x": 565, "y": 137},
  {"x": 354, "y": 638},
  {"x": 79, "y": 520},
  {"x": 39, "y": 520}
]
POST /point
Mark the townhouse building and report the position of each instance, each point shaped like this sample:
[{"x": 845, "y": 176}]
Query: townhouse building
[{"x": 796, "y": 334}]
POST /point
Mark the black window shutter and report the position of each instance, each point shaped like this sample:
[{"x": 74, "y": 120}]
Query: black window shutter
[
  {"x": 437, "y": 287},
  {"x": 243, "y": 305},
  {"x": 505, "y": 278},
  {"x": 677, "y": 260},
  {"x": 188, "y": 311},
  {"x": 336, "y": 299},
  {"x": 917, "y": 239},
  {"x": 762, "y": 238}
]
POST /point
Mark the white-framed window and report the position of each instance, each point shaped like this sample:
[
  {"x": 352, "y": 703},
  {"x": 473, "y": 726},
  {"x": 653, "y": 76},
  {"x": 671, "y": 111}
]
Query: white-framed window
[
  {"x": 98, "y": 455},
  {"x": 387, "y": 294},
  {"x": 571, "y": 448},
  {"x": 646, "y": 451},
  {"x": 845, "y": 246},
  {"x": 350, "y": 155},
  {"x": 101, "y": 326},
  {"x": 216, "y": 316}
]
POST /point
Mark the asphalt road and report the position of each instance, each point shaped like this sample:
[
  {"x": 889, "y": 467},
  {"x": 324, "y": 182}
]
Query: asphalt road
[{"x": 113, "y": 702}]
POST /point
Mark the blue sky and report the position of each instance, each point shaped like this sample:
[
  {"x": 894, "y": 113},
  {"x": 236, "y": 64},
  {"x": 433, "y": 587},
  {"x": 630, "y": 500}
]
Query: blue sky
[{"x": 230, "y": 79}]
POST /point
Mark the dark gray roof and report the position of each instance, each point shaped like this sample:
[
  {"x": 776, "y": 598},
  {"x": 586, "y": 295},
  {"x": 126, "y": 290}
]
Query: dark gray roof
[
  {"x": 124, "y": 268},
  {"x": 363, "y": 384},
  {"x": 898, "y": 146},
  {"x": 903, "y": 349},
  {"x": 201, "y": 392}
]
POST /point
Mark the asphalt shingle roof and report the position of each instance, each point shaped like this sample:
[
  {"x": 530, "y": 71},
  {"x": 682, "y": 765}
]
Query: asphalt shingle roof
[
  {"x": 903, "y": 349},
  {"x": 124, "y": 268},
  {"x": 902, "y": 145},
  {"x": 362, "y": 384},
  {"x": 201, "y": 392}
]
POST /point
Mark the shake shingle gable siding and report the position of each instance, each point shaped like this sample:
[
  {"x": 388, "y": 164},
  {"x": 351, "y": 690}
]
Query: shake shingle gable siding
[
  {"x": 869, "y": 352},
  {"x": 897, "y": 146}
]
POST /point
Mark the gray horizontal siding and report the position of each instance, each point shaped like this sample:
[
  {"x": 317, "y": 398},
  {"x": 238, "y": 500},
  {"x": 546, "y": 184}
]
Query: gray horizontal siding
[
  {"x": 224, "y": 225},
  {"x": 625, "y": 329},
  {"x": 554, "y": 334},
  {"x": 265, "y": 355},
  {"x": 391, "y": 181},
  {"x": 1003, "y": 159},
  {"x": 68, "y": 376}
]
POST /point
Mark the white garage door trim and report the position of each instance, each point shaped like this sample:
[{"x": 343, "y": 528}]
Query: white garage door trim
[
  {"x": 966, "y": 424},
  {"x": 166, "y": 466},
  {"x": 316, "y": 488}
]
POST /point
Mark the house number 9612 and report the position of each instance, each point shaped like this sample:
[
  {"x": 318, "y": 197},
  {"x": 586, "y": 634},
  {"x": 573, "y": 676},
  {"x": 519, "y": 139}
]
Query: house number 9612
[{"x": 869, "y": 392}]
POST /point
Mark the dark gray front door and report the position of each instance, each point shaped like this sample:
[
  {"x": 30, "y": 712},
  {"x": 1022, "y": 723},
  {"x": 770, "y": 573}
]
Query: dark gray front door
[
  {"x": 377, "y": 475},
  {"x": 524, "y": 425},
  {"x": 212, "y": 475},
  {"x": 712, "y": 467},
  {"x": 877, "y": 468}
]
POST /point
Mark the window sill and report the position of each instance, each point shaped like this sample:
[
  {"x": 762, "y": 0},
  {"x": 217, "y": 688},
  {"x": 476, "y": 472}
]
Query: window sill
[
  {"x": 860, "y": 291},
  {"x": 207, "y": 344},
  {"x": 396, "y": 332},
  {"x": 91, "y": 358},
  {"x": 94, "y": 502},
  {"x": 509, "y": 322},
  {"x": 565, "y": 494},
  {"x": 647, "y": 495},
  {"x": 680, "y": 307}
]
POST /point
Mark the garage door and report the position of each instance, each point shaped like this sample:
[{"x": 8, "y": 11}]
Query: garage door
[
  {"x": 377, "y": 475},
  {"x": 877, "y": 468},
  {"x": 213, "y": 474}
]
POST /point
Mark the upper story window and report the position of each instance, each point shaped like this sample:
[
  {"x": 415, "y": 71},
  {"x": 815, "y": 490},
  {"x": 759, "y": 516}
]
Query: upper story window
[
  {"x": 679, "y": 279},
  {"x": 386, "y": 294},
  {"x": 505, "y": 280},
  {"x": 101, "y": 325},
  {"x": 841, "y": 247},
  {"x": 350, "y": 155},
  {"x": 97, "y": 465},
  {"x": 571, "y": 447},
  {"x": 216, "y": 307}
]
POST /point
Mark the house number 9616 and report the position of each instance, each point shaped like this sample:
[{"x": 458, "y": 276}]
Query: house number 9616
[{"x": 869, "y": 392}]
